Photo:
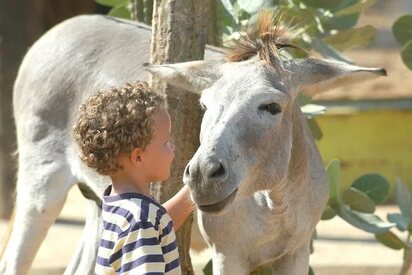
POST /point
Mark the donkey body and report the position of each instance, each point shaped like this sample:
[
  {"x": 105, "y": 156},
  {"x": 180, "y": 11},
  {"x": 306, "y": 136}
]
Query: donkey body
[
  {"x": 66, "y": 65},
  {"x": 257, "y": 177}
]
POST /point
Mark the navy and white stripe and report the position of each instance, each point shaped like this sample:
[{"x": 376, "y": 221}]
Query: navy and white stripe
[{"x": 138, "y": 237}]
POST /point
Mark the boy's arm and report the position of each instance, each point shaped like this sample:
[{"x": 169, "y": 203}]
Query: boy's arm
[{"x": 180, "y": 207}]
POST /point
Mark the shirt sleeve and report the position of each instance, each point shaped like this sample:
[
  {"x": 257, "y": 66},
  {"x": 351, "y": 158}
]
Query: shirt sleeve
[{"x": 138, "y": 251}]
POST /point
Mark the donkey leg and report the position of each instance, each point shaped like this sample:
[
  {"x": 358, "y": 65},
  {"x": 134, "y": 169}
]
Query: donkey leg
[
  {"x": 83, "y": 260},
  {"x": 42, "y": 188},
  {"x": 6, "y": 240},
  {"x": 293, "y": 264}
]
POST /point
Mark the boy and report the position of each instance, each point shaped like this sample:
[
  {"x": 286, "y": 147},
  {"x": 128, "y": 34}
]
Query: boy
[{"x": 125, "y": 133}]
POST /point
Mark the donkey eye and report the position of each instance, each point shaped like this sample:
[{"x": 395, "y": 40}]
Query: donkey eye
[{"x": 272, "y": 108}]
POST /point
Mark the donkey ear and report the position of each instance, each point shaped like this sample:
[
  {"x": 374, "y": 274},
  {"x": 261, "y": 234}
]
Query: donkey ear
[
  {"x": 314, "y": 75},
  {"x": 193, "y": 76}
]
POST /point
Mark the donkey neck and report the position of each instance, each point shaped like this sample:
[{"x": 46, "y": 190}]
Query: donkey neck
[
  {"x": 298, "y": 171},
  {"x": 302, "y": 140}
]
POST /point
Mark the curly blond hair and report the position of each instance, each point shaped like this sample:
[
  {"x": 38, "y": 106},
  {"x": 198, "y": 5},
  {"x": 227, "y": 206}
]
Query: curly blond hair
[{"x": 114, "y": 122}]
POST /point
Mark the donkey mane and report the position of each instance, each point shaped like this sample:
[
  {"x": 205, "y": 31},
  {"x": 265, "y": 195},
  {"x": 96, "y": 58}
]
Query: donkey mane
[{"x": 265, "y": 39}]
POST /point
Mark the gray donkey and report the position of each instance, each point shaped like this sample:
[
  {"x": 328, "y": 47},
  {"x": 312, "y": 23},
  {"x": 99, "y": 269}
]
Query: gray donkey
[{"x": 257, "y": 177}]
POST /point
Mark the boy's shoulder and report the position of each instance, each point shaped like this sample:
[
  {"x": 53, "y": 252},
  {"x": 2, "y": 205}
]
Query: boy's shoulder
[{"x": 132, "y": 208}]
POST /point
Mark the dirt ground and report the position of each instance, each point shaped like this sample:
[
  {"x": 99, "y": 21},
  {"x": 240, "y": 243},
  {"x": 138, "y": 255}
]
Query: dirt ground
[{"x": 339, "y": 250}]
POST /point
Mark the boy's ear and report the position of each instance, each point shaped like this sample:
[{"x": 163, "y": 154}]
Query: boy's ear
[{"x": 136, "y": 157}]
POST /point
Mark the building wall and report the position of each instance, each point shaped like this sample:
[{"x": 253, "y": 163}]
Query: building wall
[{"x": 374, "y": 141}]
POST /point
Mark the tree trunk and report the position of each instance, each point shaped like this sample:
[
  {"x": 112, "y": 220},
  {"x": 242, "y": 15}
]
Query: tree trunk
[
  {"x": 142, "y": 11},
  {"x": 179, "y": 34},
  {"x": 407, "y": 262},
  {"x": 214, "y": 33}
]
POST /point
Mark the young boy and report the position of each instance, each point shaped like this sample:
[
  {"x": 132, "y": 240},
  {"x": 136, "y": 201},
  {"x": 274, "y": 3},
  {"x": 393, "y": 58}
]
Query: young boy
[{"x": 125, "y": 133}]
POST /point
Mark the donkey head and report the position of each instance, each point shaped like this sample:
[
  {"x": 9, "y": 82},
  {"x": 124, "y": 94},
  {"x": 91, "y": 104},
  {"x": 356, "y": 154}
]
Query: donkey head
[{"x": 250, "y": 101}]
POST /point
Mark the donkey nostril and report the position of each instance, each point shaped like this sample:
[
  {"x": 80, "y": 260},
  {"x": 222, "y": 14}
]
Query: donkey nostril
[{"x": 219, "y": 172}]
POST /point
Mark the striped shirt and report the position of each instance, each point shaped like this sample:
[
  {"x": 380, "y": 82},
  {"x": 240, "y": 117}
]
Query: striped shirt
[{"x": 138, "y": 237}]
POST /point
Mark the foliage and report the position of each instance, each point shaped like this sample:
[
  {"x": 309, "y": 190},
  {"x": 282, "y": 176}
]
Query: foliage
[
  {"x": 402, "y": 30},
  {"x": 328, "y": 26},
  {"x": 357, "y": 208},
  {"x": 208, "y": 269},
  {"x": 140, "y": 10},
  {"x": 120, "y": 8},
  {"x": 357, "y": 204}
]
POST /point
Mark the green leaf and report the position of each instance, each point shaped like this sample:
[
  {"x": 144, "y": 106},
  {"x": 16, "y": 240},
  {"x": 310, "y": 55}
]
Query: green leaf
[
  {"x": 328, "y": 213},
  {"x": 340, "y": 22},
  {"x": 367, "y": 222},
  {"x": 254, "y": 6},
  {"x": 112, "y": 3},
  {"x": 351, "y": 38},
  {"x": 402, "y": 29},
  {"x": 334, "y": 182},
  {"x": 346, "y": 3},
  {"x": 390, "y": 240},
  {"x": 299, "y": 18},
  {"x": 359, "y": 7},
  {"x": 327, "y": 51},
  {"x": 314, "y": 237},
  {"x": 311, "y": 271},
  {"x": 323, "y": 4},
  {"x": 262, "y": 270},
  {"x": 403, "y": 198},
  {"x": 208, "y": 269},
  {"x": 240, "y": 14},
  {"x": 315, "y": 129},
  {"x": 120, "y": 11},
  {"x": 402, "y": 223},
  {"x": 358, "y": 201},
  {"x": 406, "y": 54},
  {"x": 374, "y": 186},
  {"x": 228, "y": 7}
]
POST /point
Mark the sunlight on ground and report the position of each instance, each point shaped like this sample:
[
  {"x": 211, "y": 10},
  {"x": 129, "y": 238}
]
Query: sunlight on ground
[{"x": 339, "y": 246}]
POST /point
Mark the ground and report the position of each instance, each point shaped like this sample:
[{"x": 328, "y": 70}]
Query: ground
[{"x": 339, "y": 250}]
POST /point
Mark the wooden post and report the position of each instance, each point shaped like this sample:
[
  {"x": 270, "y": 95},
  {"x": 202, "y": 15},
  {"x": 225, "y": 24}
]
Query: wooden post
[{"x": 179, "y": 34}]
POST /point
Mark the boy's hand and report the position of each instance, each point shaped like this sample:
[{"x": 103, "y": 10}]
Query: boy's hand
[{"x": 180, "y": 207}]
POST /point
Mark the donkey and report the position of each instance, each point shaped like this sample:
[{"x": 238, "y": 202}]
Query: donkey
[
  {"x": 66, "y": 65},
  {"x": 257, "y": 177}
]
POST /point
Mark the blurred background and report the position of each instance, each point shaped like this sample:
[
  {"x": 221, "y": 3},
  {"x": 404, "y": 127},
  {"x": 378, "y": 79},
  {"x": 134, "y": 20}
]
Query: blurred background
[{"x": 368, "y": 127}]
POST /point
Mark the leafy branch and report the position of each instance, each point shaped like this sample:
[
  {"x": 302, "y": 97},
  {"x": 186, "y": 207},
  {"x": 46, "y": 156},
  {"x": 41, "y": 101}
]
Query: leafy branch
[
  {"x": 402, "y": 30},
  {"x": 357, "y": 204}
]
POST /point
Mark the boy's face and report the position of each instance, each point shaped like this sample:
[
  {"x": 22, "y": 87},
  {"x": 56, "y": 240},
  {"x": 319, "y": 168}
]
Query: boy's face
[{"x": 158, "y": 155}]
